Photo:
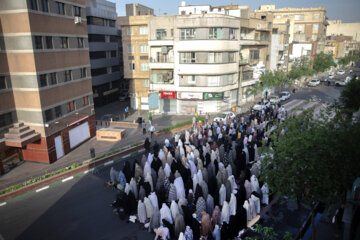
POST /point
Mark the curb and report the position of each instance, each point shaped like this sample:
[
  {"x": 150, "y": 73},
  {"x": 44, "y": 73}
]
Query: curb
[
  {"x": 173, "y": 130},
  {"x": 68, "y": 175}
]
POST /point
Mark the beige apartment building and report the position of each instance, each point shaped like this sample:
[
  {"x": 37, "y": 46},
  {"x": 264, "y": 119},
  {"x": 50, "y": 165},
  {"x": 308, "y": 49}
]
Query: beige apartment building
[
  {"x": 307, "y": 25},
  {"x": 337, "y": 27},
  {"x": 46, "y": 96},
  {"x": 135, "y": 57}
]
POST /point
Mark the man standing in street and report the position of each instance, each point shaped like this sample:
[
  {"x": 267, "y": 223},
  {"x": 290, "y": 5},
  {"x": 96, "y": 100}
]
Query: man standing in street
[
  {"x": 206, "y": 118},
  {"x": 143, "y": 125},
  {"x": 126, "y": 111},
  {"x": 152, "y": 130}
]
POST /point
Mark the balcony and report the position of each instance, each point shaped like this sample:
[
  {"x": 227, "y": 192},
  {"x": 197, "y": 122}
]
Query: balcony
[
  {"x": 161, "y": 62},
  {"x": 244, "y": 61},
  {"x": 161, "y": 42}
]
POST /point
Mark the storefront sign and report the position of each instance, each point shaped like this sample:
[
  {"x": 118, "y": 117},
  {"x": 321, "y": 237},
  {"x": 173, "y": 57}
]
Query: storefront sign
[
  {"x": 168, "y": 94},
  {"x": 214, "y": 96},
  {"x": 190, "y": 95},
  {"x": 153, "y": 101}
]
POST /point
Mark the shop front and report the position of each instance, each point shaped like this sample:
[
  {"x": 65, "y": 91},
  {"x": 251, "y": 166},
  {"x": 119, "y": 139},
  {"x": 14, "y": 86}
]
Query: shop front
[
  {"x": 168, "y": 102},
  {"x": 189, "y": 102}
]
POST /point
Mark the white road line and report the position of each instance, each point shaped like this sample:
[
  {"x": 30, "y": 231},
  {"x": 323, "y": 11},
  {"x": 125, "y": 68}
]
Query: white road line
[
  {"x": 126, "y": 156},
  {"x": 86, "y": 171},
  {"x": 2, "y": 204},
  {"x": 67, "y": 179},
  {"x": 41, "y": 189},
  {"x": 91, "y": 170},
  {"x": 109, "y": 162}
]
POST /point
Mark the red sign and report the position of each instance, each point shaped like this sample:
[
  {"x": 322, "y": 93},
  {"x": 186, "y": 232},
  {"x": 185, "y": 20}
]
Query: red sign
[{"x": 168, "y": 94}]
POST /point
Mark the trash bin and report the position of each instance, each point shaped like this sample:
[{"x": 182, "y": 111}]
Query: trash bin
[{"x": 92, "y": 152}]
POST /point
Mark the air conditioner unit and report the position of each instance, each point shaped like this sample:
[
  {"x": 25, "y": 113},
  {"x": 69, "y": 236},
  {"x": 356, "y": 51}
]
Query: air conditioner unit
[{"x": 77, "y": 20}]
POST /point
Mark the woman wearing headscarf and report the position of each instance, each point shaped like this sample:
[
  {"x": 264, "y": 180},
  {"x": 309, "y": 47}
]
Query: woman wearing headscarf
[{"x": 206, "y": 227}]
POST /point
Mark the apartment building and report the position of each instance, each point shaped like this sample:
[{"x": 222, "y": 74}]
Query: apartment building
[
  {"x": 135, "y": 58},
  {"x": 106, "y": 71},
  {"x": 307, "y": 26},
  {"x": 337, "y": 27},
  {"x": 46, "y": 97},
  {"x": 205, "y": 58},
  {"x": 340, "y": 46},
  {"x": 136, "y": 9}
]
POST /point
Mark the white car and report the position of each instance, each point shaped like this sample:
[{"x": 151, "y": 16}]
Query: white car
[
  {"x": 343, "y": 83},
  {"x": 274, "y": 99},
  {"x": 314, "y": 82},
  {"x": 340, "y": 72},
  {"x": 261, "y": 105},
  {"x": 331, "y": 75},
  {"x": 223, "y": 116},
  {"x": 284, "y": 95}
]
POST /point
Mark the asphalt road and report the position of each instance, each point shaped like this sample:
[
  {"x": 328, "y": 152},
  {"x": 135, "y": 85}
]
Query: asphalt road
[{"x": 79, "y": 208}]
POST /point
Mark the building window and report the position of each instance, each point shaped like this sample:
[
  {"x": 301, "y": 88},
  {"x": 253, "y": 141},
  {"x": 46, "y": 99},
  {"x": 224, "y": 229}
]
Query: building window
[
  {"x": 38, "y": 42},
  {"x": 85, "y": 100},
  {"x": 96, "y": 38},
  {"x": 64, "y": 42},
  {"x": 160, "y": 34},
  {"x": 67, "y": 76},
  {"x": 43, "y": 80},
  {"x": 299, "y": 17},
  {"x": 33, "y": 4},
  {"x": 98, "y": 71},
  {"x": 144, "y": 66},
  {"x": 77, "y": 11},
  {"x": 113, "y": 38},
  {"x": 49, "y": 43},
  {"x": 113, "y": 54},
  {"x": 131, "y": 66},
  {"x": 315, "y": 28},
  {"x": 187, "y": 34},
  {"x": 80, "y": 42},
  {"x": 115, "y": 68},
  {"x": 187, "y": 57},
  {"x": 231, "y": 57},
  {"x": 215, "y": 57},
  {"x": 232, "y": 33},
  {"x": 131, "y": 57},
  {"x": 215, "y": 33},
  {"x": 131, "y": 49},
  {"x": 129, "y": 31},
  {"x": 95, "y": 21},
  {"x": 2, "y": 82},
  {"x": 97, "y": 55},
  {"x": 143, "y": 48},
  {"x": 71, "y": 106},
  {"x": 44, "y": 5},
  {"x": 48, "y": 115},
  {"x": 60, "y": 8},
  {"x": 82, "y": 72},
  {"x": 58, "y": 112},
  {"x": 52, "y": 78},
  {"x": 145, "y": 83},
  {"x": 254, "y": 54},
  {"x": 6, "y": 119},
  {"x": 143, "y": 30},
  {"x": 111, "y": 23}
]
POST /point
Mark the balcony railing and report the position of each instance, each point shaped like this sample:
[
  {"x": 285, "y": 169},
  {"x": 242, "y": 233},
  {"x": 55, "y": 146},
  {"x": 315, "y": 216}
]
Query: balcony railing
[{"x": 162, "y": 59}]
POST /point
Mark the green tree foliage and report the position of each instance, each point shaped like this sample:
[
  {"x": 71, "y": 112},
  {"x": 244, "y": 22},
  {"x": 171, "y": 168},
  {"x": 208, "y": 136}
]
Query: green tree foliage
[
  {"x": 323, "y": 62},
  {"x": 301, "y": 67},
  {"x": 353, "y": 56},
  {"x": 269, "y": 79},
  {"x": 315, "y": 159},
  {"x": 350, "y": 96}
]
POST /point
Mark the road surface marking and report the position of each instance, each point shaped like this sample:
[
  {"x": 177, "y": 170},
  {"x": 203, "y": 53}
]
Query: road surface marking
[
  {"x": 2, "y": 204},
  {"x": 86, "y": 171},
  {"x": 126, "y": 156},
  {"x": 109, "y": 162},
  {"x": 67, "y": 179},
  {"x": 41, "y": 189}
]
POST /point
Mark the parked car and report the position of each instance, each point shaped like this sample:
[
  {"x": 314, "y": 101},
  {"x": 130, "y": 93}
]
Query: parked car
[
  {"x": 331, "y": 75},
  {"x": 274, "y": 99},
  {"x": 343, "y": 82},
  {"x": 340, "y": 72},
  {"x": 261, "y": 105},
  {"x": 284, "y": 95},
  {"x": 223, "y": 116},
  {"x": 314, "y": 82}
]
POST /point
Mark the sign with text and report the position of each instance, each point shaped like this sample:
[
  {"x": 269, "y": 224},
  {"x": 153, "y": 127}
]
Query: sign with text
[
  {"x": 190, "y": 95},
  {"x": 214, "y": 96},
  {"x": 168, "y": 94}
]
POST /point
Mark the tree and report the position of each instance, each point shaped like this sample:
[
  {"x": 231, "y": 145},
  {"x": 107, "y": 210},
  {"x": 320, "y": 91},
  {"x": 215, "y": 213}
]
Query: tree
[
  {"x": 269, "y": 79},
  {"x": 353, "y": 56},
  {"x": 314, "y": 160},
  {"x": 323, "y": 61},
  {"x": 350, "y": 96},
  {"x": 301, "y": 67}
]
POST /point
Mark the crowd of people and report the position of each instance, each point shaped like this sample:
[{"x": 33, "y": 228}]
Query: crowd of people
[{"x": 201, "y": 184}]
